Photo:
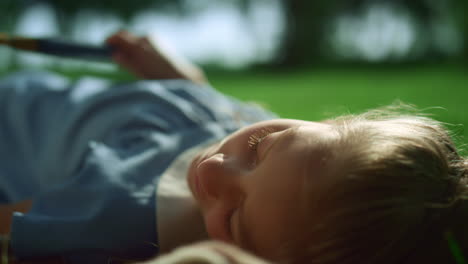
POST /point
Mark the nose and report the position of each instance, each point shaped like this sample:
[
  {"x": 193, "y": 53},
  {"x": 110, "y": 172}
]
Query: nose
[{"x": 220, "y": 177}]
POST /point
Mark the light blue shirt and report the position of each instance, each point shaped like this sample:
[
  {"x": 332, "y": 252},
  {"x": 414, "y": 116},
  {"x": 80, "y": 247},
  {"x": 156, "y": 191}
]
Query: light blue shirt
[{"x": 89, "y": 153}]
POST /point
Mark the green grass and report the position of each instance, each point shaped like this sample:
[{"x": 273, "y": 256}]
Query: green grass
[{"x": 319, "y": 94}]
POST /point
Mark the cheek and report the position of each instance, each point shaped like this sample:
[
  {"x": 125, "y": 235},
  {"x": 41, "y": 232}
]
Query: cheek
[{"x": 216, "y": 223}]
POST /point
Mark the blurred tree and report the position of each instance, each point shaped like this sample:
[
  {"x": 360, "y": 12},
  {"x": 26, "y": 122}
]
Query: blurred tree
[
  {"x": 66, "y": 9},
  {"x": 122, "y": 7},
  {"x": 461, "y": 11},
  {"x": 9, "y": 10},
  {"x": 307, "y": 21},
  {"x": 428, "y": 12},
  {"x": 305, "y": 31}
]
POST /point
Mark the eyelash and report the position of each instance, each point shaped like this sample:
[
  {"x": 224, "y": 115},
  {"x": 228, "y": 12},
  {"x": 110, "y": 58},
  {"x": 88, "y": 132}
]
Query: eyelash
[{"x": 258, "y": 136}]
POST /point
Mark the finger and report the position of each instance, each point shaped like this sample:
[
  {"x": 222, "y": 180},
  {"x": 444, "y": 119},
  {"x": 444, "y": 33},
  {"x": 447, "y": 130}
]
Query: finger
[
  {"x": 123, "y": 60},
  {"x": 118, "y": 34},
  {"x": 119, "y": 58},
  {"x": 123, "y": 40},
  {"x": 129, "y": 63},
  {"x": 145, "y": 41},
  {"x": 114, "y": 37}
]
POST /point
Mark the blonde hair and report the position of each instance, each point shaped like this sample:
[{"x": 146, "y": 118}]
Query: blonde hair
[{"x": 401, "y": 189}]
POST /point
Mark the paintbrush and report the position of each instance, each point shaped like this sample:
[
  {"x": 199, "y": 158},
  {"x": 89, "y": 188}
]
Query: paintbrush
[{"x": 57, "y": 47}]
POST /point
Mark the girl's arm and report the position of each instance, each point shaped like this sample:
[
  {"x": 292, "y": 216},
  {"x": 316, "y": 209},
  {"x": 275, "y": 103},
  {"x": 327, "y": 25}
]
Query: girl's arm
[{"x": 150, "y": 60}]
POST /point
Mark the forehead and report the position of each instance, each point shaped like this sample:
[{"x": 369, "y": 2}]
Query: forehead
[
  {"x": 313, "y": 149},
  {"x": 282, "y": 199}
]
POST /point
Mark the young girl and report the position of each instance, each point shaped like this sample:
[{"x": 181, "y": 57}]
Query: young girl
[{"x": 138, "y": 169}]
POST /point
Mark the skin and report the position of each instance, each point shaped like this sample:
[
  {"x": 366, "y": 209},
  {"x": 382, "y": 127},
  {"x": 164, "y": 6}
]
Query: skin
[{"x": 257, "y": 198}]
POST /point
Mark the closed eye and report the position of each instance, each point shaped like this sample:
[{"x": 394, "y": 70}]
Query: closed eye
[{"x": 258, "y": 136}]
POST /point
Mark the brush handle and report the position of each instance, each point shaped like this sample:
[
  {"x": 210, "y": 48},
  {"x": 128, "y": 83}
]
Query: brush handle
[{"x": 60, "y": 48}]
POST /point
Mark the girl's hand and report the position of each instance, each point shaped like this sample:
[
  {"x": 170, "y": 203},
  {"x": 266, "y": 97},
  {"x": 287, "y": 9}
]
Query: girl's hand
[{"x": 150, "y": 60}]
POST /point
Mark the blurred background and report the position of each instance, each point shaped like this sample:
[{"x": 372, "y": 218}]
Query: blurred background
[{"x": 302, "y": 59}]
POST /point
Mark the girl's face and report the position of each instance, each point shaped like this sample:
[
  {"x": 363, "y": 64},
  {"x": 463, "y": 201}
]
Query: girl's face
[{"x": 252, "y": 187}]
